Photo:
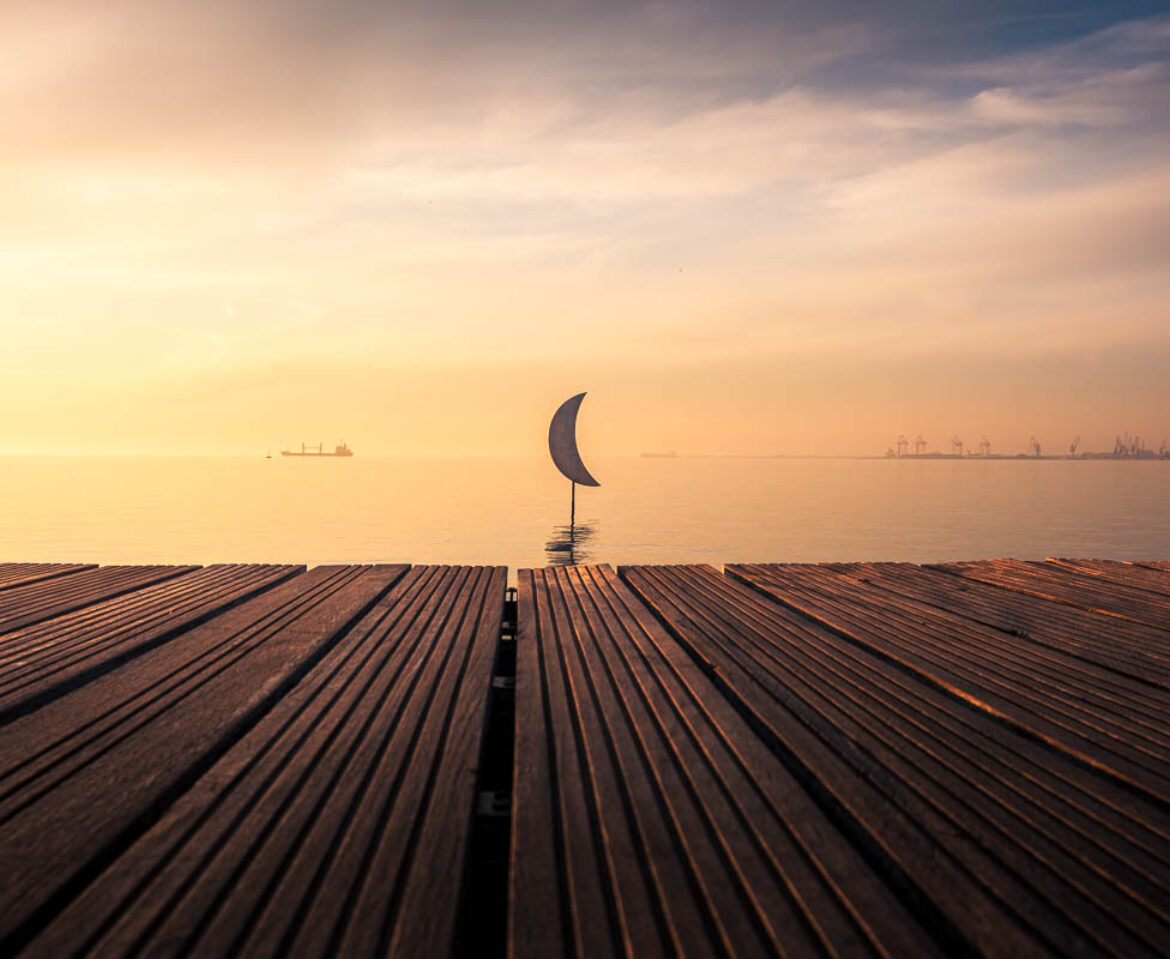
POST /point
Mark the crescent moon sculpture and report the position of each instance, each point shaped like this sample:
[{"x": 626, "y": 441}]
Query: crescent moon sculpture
[{"x": 562, "y": 442}]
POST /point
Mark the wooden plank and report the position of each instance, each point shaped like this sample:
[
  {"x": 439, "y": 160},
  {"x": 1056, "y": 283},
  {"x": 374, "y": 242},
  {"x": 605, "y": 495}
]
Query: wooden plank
[
  {"x": 1013, "y": 845},
  {"x": 1116, "y": 726},
  {"x": 993, "y": 649},
  {"x": 1065, "y": 586},
  {"x": 1153, "y": 580},
  {"x": 1136, "y": 650},
  {"x": 41, "y": 662},
  {"x": 55, "y": 597},
  {"x": 339, "y": 823},
  {"x": 13, "y": 575},
  {"x": 91, "y": 771},
  {"x": 648, "y": 818}
]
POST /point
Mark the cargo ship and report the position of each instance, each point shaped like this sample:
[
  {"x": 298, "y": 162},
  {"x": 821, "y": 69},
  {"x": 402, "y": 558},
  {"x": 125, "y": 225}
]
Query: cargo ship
[{"x": 319, "y": 450}]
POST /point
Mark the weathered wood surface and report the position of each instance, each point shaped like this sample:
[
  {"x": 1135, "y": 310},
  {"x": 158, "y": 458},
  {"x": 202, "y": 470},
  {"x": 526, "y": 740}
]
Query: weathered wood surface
[
  {"x": 1130, "y": 574},
  {"x": 1083, "y": 589},
  {"x": 54, "y": 597},
  {"x": 89, "y": 770},
  {"x": 43, "y": 661},
  {"x": 842, "y": 760},
  {"x": 1013, "y": 847},
  {"x": 649, "y": 818},
  {"x": 339, "y": 823},
  {"x": 1135, "y": 650},
  {"x": 21, "y": 574},
  {"x": 1092, "y": 713}
]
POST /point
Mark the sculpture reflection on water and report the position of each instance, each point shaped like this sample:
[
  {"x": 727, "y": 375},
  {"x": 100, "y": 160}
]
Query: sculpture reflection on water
[{"x": 569, "y": 545}]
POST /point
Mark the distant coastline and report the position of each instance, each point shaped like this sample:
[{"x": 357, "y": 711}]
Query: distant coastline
[
  {"x": 966, "y": 457},
  {"x": 1143, "y": 456}
]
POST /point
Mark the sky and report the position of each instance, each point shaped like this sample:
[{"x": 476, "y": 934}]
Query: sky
[{"x": 742, "y": 227}]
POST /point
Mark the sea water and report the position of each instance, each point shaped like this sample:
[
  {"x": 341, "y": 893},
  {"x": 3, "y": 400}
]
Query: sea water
[{"x": 516, "y": 512}]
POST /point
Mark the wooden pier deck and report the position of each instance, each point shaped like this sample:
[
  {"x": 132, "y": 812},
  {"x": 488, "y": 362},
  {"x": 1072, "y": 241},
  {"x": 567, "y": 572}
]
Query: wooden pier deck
[{"x": 839, "y": 759}]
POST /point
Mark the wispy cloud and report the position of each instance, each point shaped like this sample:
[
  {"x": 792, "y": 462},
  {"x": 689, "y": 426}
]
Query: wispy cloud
[{"x": 438, "y": 185}]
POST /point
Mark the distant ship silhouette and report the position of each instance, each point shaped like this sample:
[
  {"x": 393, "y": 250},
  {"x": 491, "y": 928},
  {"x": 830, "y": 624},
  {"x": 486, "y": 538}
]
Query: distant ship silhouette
[{"x": 319, "y": 450}]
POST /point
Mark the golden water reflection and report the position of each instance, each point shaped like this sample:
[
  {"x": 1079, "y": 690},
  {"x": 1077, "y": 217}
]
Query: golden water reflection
[{"x": 500, "y": 511}]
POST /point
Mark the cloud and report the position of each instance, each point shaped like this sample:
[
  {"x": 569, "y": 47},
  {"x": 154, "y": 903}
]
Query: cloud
[{"x": 237, "y": 186}]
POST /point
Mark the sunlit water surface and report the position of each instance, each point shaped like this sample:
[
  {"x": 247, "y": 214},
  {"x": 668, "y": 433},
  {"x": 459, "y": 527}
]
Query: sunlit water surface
[{"x": 514, "y": 511}]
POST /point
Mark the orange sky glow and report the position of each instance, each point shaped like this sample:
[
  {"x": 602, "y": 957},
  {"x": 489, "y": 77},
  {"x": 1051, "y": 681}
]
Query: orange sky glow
[{"x": 226, "y": 228}]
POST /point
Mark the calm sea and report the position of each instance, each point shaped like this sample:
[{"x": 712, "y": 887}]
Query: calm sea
[{"x": 515, "y": 512}]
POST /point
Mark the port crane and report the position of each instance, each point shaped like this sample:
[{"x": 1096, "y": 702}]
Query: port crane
[
  {"x": 985, "y": 447},
  {"x": 919, "y": 445},
  {"x": 1034, "y": 446},
  {"x": 903, "y": 443},
  {"x": 1072, "y": 447},
  {"x": 1127, "y": 445},
  {"x": 957, "y": 446}
]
